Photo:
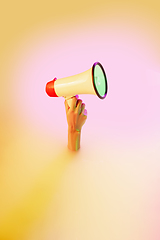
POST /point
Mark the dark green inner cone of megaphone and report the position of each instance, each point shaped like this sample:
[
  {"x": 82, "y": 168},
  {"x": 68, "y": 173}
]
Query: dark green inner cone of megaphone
[{"x": 99, "y": 80}]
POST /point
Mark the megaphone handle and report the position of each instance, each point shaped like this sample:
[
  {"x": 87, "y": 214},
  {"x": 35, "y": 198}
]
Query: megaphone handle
[{"x": 69, "y": 100}]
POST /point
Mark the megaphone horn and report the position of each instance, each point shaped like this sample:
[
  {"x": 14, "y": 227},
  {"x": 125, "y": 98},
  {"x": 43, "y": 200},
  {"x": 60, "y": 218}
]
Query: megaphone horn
[{"x": 92, "y": 81}]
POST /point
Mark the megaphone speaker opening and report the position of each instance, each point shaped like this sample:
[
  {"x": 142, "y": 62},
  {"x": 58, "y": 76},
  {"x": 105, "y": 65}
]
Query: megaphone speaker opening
[{"x": 99, "y": 80}]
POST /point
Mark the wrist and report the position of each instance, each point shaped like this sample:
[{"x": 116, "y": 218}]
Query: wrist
[
  {"x": 73, "y": 130},
  {"x": 74, "y": 139}
]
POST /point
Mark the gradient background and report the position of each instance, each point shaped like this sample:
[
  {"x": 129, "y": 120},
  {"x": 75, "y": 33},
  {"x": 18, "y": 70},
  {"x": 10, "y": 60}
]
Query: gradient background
[{"x": 110, "y": 188}]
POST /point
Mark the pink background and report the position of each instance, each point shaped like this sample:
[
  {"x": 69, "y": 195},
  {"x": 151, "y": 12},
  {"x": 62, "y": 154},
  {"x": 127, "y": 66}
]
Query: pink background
[{"x": 110, "y": 188}]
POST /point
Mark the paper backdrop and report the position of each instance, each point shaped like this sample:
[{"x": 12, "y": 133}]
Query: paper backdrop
[{"x": 109, "y": 189}]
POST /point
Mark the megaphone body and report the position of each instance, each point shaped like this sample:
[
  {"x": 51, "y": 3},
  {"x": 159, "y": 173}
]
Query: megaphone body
[{"x": 92, "y": 81}]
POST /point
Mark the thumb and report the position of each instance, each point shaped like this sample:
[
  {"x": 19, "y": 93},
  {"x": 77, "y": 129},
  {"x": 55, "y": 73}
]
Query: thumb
[{"x": 66, "y": 105}]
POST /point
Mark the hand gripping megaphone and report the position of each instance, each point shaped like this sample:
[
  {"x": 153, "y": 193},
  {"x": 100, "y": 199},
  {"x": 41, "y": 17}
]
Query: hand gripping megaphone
[{"x": 92, "y": 81}]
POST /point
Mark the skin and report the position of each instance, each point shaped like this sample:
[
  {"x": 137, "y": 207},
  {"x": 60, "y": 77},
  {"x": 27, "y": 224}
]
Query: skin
[{"x": 76, "y": 117}]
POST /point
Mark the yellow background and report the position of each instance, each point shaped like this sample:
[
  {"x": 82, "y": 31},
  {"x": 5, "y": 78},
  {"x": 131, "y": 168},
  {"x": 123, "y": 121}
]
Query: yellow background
[{"x": 110, "y": 188}]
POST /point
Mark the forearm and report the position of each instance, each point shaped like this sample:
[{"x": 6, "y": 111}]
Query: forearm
[{"x": 73, "y": 139}]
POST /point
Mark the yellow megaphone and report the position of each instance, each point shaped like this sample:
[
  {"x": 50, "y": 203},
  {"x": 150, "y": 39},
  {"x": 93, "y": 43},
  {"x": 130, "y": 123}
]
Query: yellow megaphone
[{"x": 92, "y": 81}]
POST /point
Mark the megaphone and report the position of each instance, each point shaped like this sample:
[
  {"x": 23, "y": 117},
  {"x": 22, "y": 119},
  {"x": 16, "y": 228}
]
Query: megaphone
[{"x": 92, "y": 81}]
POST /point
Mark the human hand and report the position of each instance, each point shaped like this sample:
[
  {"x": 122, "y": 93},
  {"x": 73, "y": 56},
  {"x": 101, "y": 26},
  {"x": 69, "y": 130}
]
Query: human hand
[
  {"x": 76, "y": 113},
  {"x": 76, "y": 117}
]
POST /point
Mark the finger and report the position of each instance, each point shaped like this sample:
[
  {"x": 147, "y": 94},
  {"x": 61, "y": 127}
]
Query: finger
[
  {"x": 70, "y": 104},
  {"x": 73, "y": 103},
  {"x": 85, "y": 112},
  {"x": 82, "y": 108},
  {"x": 66, "y": 105},
  {"x": 78, "y": 107},
  {"x": 77, "y": 97}
]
